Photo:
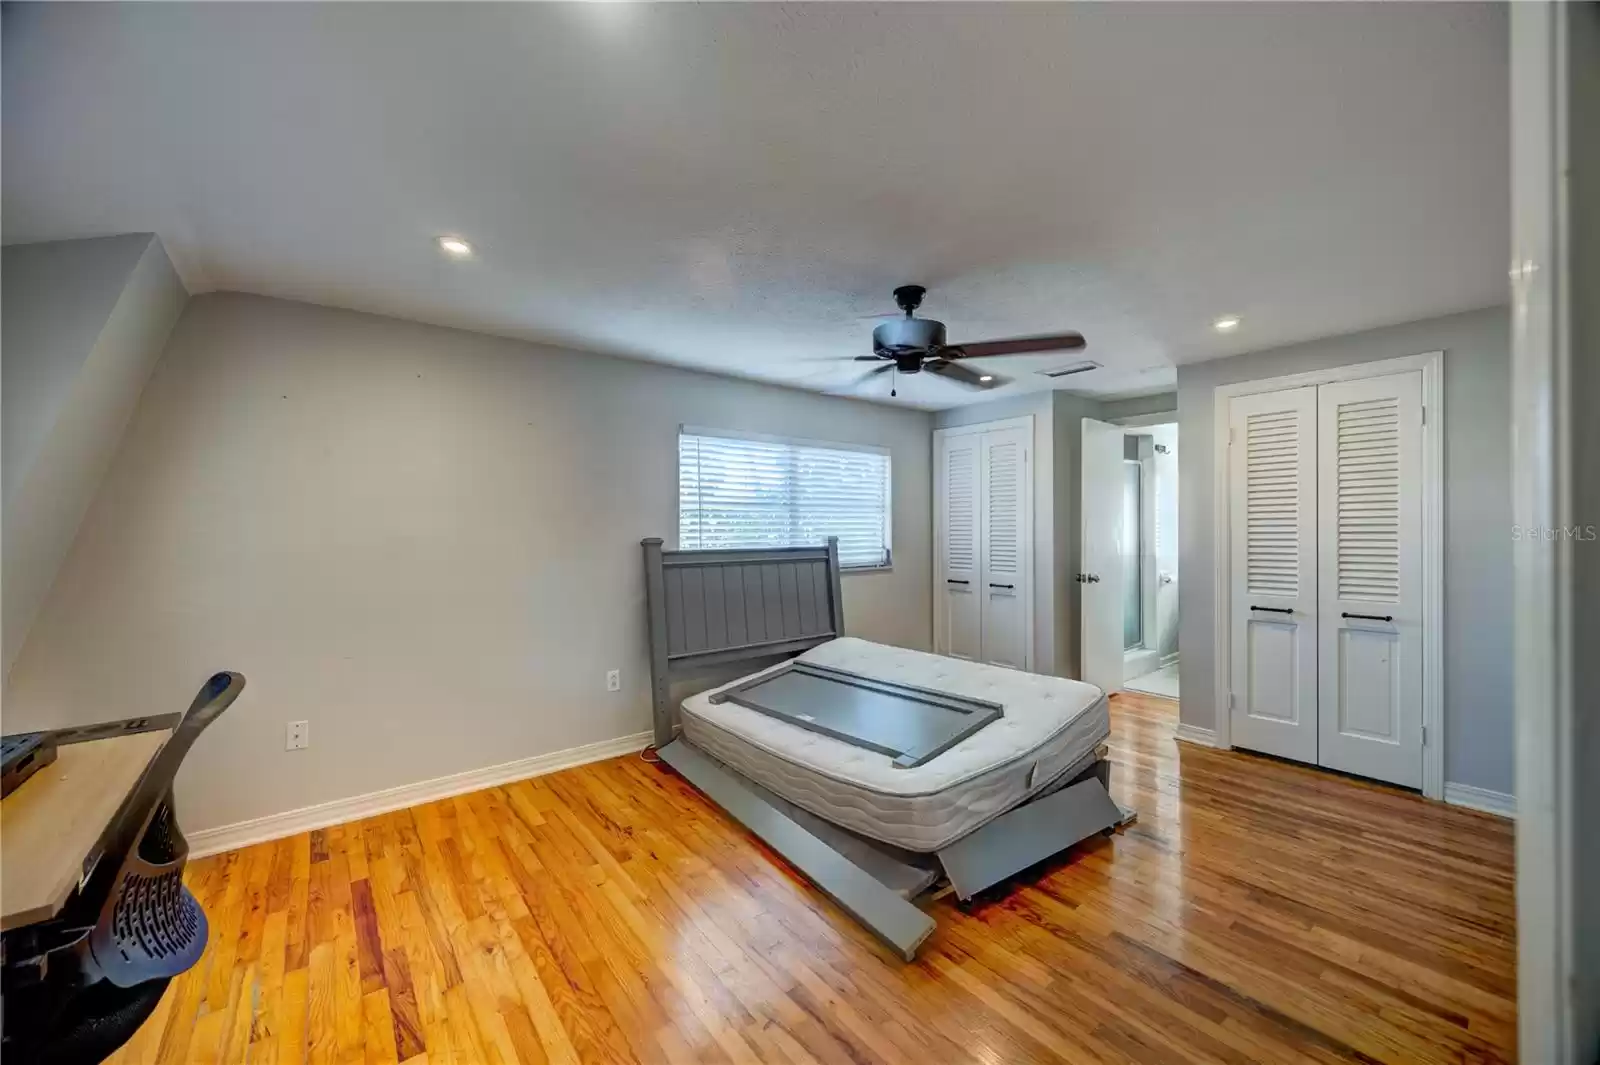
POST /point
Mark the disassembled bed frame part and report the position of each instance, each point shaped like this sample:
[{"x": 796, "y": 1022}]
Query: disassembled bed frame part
[
  {"x": 894, "y": 920},
  {"x": 721, "y": 607},
  {"x": 909, "y": 724}
]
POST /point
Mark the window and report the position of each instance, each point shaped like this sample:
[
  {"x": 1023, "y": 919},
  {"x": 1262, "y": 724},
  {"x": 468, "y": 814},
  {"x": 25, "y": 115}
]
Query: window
[{"x": 744, "y": 490}]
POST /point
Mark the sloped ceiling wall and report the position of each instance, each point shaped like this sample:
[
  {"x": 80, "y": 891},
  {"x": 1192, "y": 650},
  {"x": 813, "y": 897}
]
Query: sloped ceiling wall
[{"x": 85, "y": 322}]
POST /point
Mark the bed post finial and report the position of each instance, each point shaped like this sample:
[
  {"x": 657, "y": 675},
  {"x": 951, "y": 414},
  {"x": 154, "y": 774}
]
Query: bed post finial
[
  {"x": 835, "y": 591},
  {"x": 655, "y": 594}
]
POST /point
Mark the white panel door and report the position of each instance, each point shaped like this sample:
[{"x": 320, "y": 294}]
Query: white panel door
[
  {"x": 1272, "y": 609},
  {"x": 959, "y": 601},
  {"x": 1370, "y": 580},
  {"x": 1100, "y": 602},
  {"x": 1006, "y": 521}
]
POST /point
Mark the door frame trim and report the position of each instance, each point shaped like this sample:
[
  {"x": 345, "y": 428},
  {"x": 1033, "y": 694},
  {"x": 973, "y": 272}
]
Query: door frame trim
[
  {"x": 1431, "y": 364},
  {"x": 1552, "y": 969},
  {"x": 940, "y": 637}
]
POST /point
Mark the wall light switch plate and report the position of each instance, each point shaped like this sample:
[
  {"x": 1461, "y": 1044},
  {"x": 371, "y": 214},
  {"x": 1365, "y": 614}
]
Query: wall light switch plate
[
  {"x": 299, "y": 736},
  {"x": 614, "y": 680}
]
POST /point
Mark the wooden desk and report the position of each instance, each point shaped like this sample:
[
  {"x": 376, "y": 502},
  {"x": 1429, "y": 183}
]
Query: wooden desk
[{"x": 50, "y": 824}]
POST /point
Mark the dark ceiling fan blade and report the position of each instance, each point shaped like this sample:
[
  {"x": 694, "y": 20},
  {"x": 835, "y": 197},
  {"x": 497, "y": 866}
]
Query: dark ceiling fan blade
[
  {"x": 850, "y": 386},
  {"x": 1015, "y": 346},
  {"x": 868, "y": 358},
  {"x": 956, "y": 372}
]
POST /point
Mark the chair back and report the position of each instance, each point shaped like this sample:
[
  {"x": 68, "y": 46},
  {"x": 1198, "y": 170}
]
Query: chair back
[
  {"x": 78, "y": 986},
  {"x": 147, "y": 924}
]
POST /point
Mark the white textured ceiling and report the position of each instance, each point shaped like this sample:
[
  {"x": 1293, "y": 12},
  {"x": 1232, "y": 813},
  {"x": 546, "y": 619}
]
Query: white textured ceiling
[{"x": 732, "y": 186}]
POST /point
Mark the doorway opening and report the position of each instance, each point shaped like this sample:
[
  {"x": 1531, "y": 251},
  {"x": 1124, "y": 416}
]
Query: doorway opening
[
  {"x": 1129, "y": 604},
  {"x": 1150, "y": 559}
]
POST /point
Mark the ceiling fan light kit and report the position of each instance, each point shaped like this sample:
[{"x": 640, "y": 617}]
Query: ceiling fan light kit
[{"x": 910, "y": 345}]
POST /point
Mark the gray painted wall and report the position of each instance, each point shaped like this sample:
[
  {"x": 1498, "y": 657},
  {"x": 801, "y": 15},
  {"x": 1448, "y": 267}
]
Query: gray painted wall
[
  {"x": 1477, "y": 546},
  {"x": 85, "y": 322},
  {"x": 1161, "y": 403},
  {"x": 57, "y": 298},
  {"x": 423, "y": 541}
]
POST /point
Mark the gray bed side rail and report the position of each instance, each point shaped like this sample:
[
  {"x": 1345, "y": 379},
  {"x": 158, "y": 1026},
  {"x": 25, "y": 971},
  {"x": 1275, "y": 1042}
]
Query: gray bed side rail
[
  {"x": 890, "y": 917},
  {"x": 708, "y": 608}
]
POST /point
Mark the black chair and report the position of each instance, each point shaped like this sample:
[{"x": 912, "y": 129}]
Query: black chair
[{"x": 78, "y": 986}]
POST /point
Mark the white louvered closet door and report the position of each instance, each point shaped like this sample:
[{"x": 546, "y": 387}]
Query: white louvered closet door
[
  {"x": 1006, "y": 516},
  {"x": 959, "y": 600},
  {"x": 1370, "y": 581},
  {"x": 1272, "y": 499}
]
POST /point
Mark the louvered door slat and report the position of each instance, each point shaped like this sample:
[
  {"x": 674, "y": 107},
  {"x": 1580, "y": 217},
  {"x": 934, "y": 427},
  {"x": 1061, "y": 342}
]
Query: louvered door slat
[
  {"x": 1007, "y": 545},
  {"x": 961, "y": 496},
  {"x": 959, "y": 535},
  {"x": 1002, "y": 545},
  {"x": 1272, "y": 489},
  {"x": 1366, "y": 465}
]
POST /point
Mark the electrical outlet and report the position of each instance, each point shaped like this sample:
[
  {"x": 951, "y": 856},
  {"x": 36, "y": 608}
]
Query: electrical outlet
[
  {"x": 299, "y": 736},
  {"x": 614, "y": 680}
]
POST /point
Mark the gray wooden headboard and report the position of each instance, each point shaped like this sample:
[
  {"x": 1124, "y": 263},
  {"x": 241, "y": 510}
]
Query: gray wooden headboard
[{"x": 714, "y": 607}]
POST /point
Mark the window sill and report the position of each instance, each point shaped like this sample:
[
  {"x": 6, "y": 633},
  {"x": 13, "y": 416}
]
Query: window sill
[{"x": 852, "y": 571}]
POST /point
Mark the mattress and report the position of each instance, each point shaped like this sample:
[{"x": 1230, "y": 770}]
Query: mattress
[{"x": 1050, "y": 723}]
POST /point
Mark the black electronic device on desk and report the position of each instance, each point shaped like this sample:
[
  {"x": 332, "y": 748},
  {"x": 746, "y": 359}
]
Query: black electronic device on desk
[
  {"x": 24, "y": 755},
  {"x": 28, "y": 752}
]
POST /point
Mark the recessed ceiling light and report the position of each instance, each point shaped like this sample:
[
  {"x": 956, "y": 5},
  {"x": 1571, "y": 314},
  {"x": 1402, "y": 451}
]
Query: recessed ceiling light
[
  {"x": 455, "y": 247},
  {"x": 986, "y": 377},
  {"x": 1226, "y": 324}
]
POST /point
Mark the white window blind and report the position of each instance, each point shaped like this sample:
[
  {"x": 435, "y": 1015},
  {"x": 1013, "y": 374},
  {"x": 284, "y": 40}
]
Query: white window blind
[{"x": 755, "y": 491}]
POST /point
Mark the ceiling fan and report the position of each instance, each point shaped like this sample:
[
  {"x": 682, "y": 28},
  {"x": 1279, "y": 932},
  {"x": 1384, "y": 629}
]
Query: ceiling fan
[{"x": 911, "y": 345}]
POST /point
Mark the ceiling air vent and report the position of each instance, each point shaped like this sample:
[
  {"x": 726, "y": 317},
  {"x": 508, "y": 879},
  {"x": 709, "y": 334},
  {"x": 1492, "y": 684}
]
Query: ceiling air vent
[{"x": 1071, "y": 368}]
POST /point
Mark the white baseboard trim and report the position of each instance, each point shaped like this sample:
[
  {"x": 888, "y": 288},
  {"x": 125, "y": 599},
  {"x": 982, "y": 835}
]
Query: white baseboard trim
[
  {"x": 1170, "y": 660},
  {"x": 1490, "y": 802},
  {"x": 1200, "y": 737},
  {"x": 276, "y": 826}
]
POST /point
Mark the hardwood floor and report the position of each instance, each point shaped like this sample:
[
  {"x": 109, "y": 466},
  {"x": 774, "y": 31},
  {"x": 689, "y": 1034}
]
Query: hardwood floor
[{"x": 1256, "y": 912}]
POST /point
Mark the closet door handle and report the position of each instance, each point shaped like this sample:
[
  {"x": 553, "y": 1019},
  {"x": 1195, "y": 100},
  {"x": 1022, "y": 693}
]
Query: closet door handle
[
  {"x": 1006, "y": 586},
  {"x": 1369, "y": 617},
  {"x": 1276, "y": 609},
  {"x": 952, "y": 580}
]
